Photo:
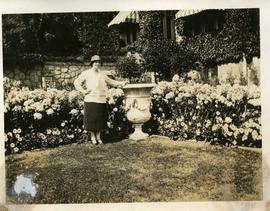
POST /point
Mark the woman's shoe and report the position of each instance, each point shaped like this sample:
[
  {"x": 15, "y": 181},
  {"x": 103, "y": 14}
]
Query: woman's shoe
[
  {"x": 94, "y": 142},
  {"x": 99, "y": 141}
]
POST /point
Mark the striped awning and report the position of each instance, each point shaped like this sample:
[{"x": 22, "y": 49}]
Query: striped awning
[
  {"x": 125, "y": 17},
  {"x": 184, "y": 13}
]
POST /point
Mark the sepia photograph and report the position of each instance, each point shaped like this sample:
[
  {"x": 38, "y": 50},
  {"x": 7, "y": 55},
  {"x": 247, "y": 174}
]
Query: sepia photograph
[{"x": 132, "y": 106}]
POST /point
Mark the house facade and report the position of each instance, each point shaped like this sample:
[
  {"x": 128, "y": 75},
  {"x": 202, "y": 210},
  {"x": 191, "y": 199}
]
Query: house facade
[
  {"x": 198, "y": 29},
  {"x": 128, "y": 25},
  {"x": 188, "y": 24}
]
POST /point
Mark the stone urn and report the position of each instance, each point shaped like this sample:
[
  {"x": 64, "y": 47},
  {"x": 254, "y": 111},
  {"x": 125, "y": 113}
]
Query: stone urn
[{"x": 137, "y": 106}]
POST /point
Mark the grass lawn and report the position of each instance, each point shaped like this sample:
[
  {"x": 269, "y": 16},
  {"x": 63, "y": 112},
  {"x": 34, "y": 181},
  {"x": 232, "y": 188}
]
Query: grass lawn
[{"x": 150, "y": 170}]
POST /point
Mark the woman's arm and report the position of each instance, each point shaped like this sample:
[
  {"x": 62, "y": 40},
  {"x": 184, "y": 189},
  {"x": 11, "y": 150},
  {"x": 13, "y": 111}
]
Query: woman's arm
[
  {"x": 79, "y": 82},
  {"x": 114, "y": 83}
]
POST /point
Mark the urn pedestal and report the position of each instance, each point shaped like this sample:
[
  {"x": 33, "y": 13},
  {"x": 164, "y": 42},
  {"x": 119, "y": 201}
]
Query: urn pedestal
[{"x": 138, "y": 107}]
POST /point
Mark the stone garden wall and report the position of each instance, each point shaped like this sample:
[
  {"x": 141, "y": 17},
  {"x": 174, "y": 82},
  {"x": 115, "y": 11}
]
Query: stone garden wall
[
  {"x": 29, "y": 77},
  {"x": 62, "y": 74},
  {"x": 52, "y": 74},
  {"x": 59, "y": 74}
]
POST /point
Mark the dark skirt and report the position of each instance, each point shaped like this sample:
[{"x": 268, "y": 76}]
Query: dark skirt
[{"x": 95, "y": 116}]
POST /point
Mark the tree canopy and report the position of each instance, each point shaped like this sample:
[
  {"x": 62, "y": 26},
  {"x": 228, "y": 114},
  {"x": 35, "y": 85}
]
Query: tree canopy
[{"x": 33, "y": 37}]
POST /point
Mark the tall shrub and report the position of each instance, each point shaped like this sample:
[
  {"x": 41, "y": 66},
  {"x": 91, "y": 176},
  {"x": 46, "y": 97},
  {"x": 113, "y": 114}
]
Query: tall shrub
[
  {"x": 21, "y": 39},
  {"x": 156, "y": 50},
  {"x": 32, "y": 38},
  {"x": 94, "y": 34}
]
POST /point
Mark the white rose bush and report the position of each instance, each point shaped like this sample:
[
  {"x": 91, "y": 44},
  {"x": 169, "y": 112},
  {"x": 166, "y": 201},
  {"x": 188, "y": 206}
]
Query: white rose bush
[
  {"x": 49, "y": 118},
  {"x": 118, "y": 125},
  {"x": 224, "y": 114}
]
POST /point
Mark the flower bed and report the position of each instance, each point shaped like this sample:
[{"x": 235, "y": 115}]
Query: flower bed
[
  {"x": 225, "y": 114},
  {"x": 39, "y": 118},
  {"x": 229, "y": 115}
]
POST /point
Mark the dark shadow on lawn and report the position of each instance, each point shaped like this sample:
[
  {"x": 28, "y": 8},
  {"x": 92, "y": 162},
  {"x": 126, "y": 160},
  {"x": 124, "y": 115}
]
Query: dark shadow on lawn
[{"x": 107, "y": 139}]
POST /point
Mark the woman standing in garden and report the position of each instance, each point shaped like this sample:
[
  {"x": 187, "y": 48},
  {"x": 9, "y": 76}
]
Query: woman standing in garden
[{"x": 93, "y": 84}]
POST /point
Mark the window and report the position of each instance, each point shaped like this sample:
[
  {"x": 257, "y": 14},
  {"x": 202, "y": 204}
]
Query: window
[
  {"x": 128, "y": 37},
  {"x": 208, "y": 21},
  {"x": 134, "y": 34},
  {"x": 169, "y": 25}
]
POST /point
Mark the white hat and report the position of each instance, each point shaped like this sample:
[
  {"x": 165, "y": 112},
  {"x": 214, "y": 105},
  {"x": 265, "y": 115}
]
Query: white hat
[{"x": 95, "y": 58}]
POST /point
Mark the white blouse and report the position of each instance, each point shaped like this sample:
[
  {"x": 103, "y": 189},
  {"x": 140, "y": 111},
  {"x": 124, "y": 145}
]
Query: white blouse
[{"x": 94, "y": 85}]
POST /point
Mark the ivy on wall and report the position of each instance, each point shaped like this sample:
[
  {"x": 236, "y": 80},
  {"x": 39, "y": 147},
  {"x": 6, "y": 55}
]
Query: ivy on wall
[
  {"x": 240, "y": 36},
  {"x": 156, "y": 50},
  {"x": 31, "y": 38}
]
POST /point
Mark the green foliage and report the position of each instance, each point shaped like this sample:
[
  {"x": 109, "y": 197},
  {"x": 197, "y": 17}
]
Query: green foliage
[
  {"x": 10, "y": 85},
  {"x": 58, "y": 34},
  {"x": 17, "y": 33},
  {"x": 159, "y": 56},
  {"x": 240, "y": 36},
  {"x": 94, "y": 34},
  {"x": 39, "y": 118},
  {"x": 156, "y": 50},
  {"x": 128, "y": 67},
  {"x": 224, "y": 114},
  {"x": 20, "y": 39},
  {"x": 31, "y": 38},
  {"x": 151, "y": 26}
]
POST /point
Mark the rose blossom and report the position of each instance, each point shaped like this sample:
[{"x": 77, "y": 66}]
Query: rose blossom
[
  {"x": 74, "y": 111},
  {"x": 50, "y": 111},
  {"x": 37, "y": 116}
]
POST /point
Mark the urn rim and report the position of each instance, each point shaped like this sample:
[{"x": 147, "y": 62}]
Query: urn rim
[{"x": 139, "y": 85}]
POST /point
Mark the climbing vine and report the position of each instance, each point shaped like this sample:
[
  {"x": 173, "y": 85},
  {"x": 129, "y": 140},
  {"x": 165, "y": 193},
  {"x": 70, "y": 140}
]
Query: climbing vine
[
  {"x": 240, "y": 36},
  {"x": 156, "y": 50}
]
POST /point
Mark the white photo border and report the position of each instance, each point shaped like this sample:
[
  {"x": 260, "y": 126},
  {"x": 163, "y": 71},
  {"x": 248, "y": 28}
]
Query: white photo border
[{"x": 49, "y": 6}]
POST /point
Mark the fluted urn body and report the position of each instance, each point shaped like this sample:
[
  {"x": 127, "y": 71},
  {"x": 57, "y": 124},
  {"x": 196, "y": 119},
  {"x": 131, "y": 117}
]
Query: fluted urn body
[{"x": 138, "y": 107}]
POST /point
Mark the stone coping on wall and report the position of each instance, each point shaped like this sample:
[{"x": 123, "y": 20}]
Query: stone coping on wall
[{"x": 76, "y": 63}]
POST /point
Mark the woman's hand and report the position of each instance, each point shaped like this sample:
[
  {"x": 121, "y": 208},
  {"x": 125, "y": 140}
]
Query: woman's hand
[
  {"x": 123, "y": 84},
  {"x": 86, "y": 92}
]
